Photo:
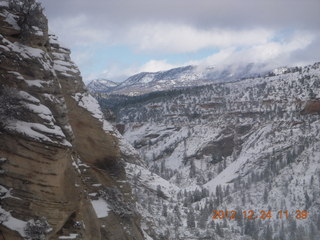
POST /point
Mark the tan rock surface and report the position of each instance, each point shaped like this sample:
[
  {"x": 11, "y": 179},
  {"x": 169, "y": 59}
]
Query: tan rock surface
[{"x": 56, "y": 156}]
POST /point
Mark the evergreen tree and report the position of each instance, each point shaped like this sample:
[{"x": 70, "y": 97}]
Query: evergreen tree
[
  {"x": 219, "y": 230},
  {"x": 268, "y": 233},
  {"x": 265, "y": 195},
  {"x": 203, "y": 219},
  {"x": 165, "y": 211},
  {"x": 191, "y": 219},
  {"x": 160, "y": 194},
  {"x": 308, "y": 200},
  {"x": 192, "y": 173}
]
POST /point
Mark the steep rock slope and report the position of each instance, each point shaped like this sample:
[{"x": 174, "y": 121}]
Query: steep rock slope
[
  {"x": 62, "y": 170},
  {"x": 251, "y": 145}
]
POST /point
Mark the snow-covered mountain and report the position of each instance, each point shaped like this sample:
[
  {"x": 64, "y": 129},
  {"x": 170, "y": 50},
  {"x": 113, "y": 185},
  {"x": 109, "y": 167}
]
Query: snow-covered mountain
[
  {"x": 101, "y": 85},
  {"x": 181, "y": 77},
  {"x": 247, "y": 146}
]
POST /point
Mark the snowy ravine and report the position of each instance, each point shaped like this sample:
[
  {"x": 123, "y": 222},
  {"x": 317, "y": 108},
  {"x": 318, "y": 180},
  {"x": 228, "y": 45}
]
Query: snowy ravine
[{"x": 251, "y": 145}]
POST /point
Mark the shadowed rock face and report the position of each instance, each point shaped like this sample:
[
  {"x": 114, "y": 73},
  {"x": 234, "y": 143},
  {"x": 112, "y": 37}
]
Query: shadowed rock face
[
  {"x": 57, "y": 154},
  {"x": 312, "y": 107}
]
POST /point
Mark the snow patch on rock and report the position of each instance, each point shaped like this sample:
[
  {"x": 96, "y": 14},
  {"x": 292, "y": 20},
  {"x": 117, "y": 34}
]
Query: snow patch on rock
[
  {"x": 86, "y": 101},
  {"x": 101, "y": 207}
]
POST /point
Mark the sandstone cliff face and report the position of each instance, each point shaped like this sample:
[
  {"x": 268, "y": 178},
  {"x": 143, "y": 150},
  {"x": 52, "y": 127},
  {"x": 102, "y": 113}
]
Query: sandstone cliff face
[{"x": 61, "y": 164}]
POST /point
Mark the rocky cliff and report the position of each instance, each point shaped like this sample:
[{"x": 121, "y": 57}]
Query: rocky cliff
[{"x": 61, "y": 164}]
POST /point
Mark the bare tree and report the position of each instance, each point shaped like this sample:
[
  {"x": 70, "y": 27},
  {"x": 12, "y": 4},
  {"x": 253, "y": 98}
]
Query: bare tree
[
  {"x": 30, "y": 14},
  {"x": 37, "y": 229}
]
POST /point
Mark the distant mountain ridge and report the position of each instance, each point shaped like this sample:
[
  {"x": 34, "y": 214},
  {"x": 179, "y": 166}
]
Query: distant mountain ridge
[
  {"x": 186, "y": 76},
  {"x": 101, "y": 85}
]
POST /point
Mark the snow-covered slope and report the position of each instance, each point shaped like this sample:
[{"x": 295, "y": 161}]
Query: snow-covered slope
[
  {"x": 251, "y": 145},
  {"x": 146, "y": 82},
  {"x": 101, "y": 85}
]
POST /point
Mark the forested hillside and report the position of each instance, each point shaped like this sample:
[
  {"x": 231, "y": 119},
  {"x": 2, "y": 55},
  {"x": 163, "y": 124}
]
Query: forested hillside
[{"x": 251, "y": 145}]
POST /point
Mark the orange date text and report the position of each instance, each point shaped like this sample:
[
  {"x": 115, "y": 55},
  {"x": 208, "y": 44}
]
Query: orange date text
[{"x": 250, "y": 214}]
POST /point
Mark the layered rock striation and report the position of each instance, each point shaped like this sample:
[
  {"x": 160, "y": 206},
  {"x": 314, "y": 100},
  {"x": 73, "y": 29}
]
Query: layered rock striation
[{"x": 61, "y": 164}]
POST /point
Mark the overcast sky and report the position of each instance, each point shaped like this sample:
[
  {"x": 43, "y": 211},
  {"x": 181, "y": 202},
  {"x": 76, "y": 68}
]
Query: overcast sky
[{"x": 117, "y": 38}]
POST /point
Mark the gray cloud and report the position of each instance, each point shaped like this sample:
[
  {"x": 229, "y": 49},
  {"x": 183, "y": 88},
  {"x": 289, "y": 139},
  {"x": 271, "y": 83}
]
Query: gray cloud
[
  {"x": 171, "y": 26},
  {"x": 204, "y": 13}
]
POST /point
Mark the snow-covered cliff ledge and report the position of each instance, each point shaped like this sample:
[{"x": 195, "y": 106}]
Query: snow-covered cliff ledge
[{"x": 58, "y": 154}]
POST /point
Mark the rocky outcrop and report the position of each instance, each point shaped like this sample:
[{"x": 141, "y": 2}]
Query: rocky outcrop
[
  {"x": 312, "y": 107},
  {"x": 61, "y": 164}
]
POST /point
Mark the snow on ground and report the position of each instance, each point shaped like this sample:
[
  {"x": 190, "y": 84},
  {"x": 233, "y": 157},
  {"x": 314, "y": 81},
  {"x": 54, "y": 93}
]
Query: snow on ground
[
  {"x": 26, "y": 96},
  {"x": 101, "y": 207},
  {"x": 4, "y": 3},
  {"x": 10, "y": 19},
  {"x": 53, "y": 39},
  {"x": 151, "y": 181},
  {"x": 263, "y": 118},
  {"x": 38, "y": 31},
  {"x": 64, "y": 66},
  {"x": 17, "y": 75},
  {"x": 12, "y": 223},
  {"x": 147, "y": 237},
  {"x": 63, "y": 69},
  {"x": 40, "y": 132},
  {"x": 6, "y": 193},
  {"x": 25, "y": 52},
  {"x": 126, "y": 148},
  {"x": 248, "y": 155},
  {"x": 172, "y": 137},
  {"x": 86, "y": 101},
  {"x": 54, "y": 99},
  {"x": 38, "y": 83},
  {"x": 42, "y": 111},
  {"x": 107, "y": 126},
  {"x": 70, "y": 236}
]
